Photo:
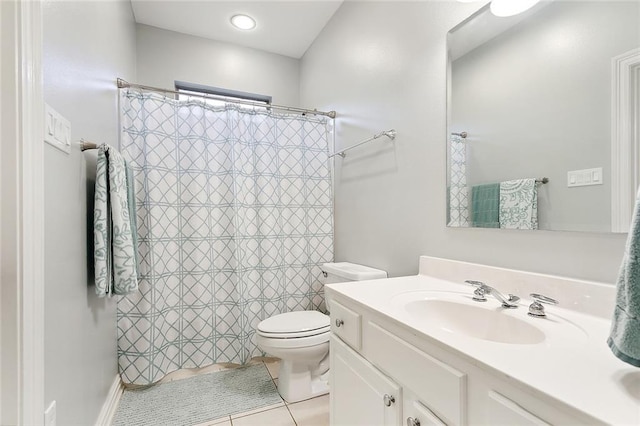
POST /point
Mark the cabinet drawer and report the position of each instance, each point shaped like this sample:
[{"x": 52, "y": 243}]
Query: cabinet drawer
[
  {"x": 441, "y": 387},
  {"x": 346, "y": 324},
  {"x": 424, "y": 416},
  {"x": 503, "y": 411}
]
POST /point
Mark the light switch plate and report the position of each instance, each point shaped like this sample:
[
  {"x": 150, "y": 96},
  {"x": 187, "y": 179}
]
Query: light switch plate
[
  {"x": 57, "y": 129},
  {"x": 584, "y": 177}
]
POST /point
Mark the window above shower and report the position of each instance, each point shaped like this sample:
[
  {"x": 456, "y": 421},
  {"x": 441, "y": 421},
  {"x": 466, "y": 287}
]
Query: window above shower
[{"x": 216, "y": 96}]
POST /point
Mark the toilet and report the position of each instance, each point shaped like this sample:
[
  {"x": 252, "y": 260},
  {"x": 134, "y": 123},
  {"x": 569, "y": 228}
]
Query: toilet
[{"x": 301, "y": 338}]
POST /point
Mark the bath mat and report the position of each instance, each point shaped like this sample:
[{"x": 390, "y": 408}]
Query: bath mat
[{"x": 198, "y": 399}]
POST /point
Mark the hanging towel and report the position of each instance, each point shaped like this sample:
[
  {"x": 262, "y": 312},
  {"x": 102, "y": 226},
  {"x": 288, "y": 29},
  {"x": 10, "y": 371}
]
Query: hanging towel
[
  {"x": 624, "y": 338},
  {"x": 485, "y": 205},
  {"x": 114, "y": 225},
  {"x": 519, "y": 204}
]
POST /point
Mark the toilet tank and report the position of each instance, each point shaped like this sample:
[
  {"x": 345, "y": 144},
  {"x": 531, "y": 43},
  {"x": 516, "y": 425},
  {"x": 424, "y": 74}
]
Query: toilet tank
[{"x": 344, "y": 271}]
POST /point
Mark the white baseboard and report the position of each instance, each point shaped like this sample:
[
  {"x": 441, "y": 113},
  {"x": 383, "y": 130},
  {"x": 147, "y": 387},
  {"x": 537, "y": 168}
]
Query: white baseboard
[{"x": 111, "y": 403}]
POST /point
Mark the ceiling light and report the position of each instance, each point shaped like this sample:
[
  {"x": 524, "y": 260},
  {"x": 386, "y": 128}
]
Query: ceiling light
[
  {"x": 504, "y": 8},
  {"x": 243, "y": 22}
]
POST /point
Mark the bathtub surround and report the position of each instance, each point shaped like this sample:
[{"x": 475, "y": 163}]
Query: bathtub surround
[{"x": 235, "y": 216}]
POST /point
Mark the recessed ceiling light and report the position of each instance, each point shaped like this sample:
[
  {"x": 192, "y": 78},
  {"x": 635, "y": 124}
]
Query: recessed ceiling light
[
  {"x": 504, "y": 8},
  {"x": 243, "y": 22}
]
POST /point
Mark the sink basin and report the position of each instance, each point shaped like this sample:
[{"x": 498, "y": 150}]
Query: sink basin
[{"x": 474, "y": 321}]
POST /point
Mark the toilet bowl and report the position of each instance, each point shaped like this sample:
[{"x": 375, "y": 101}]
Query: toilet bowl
[{"x": 301, "y": 339}]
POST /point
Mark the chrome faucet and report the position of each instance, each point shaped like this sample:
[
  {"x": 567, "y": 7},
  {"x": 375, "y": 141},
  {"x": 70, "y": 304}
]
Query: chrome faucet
[
  {"x": 479, "y": 294},
  {"x": 536, "y": 309}
]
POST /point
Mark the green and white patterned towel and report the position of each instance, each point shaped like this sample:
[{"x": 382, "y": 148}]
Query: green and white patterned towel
[
  {"x": 114, "y": 226},
  {"x": 519, "y": 204},
  {"x": 624, "y": 338}
]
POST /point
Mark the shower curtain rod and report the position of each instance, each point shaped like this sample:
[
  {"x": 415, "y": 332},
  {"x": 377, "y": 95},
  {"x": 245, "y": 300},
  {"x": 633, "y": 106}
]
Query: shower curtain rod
[{"x": 123, "y": 84}]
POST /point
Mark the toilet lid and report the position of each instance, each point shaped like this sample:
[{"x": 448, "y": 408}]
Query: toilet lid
[{"x": 295, "y": 324}]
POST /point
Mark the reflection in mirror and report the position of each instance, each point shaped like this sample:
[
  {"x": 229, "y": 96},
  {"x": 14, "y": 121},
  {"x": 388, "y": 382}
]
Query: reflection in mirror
[{"x": 530, "y": 101}]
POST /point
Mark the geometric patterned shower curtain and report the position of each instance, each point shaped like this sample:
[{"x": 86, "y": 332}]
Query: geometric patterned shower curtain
[
  {"x": 235, "y": 217},
  {"x": 458, "y": 189}
]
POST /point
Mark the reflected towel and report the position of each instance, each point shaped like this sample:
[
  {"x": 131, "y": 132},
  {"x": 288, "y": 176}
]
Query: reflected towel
[
  {"x": 624, "y": 338},
  {"x": 519, "y": 204},
  {"x": 485, "y": 202},
  {"x": 114, "y": 229}
]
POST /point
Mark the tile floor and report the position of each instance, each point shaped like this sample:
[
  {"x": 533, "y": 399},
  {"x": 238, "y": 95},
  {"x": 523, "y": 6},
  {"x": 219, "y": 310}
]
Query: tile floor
[{"x": 312, "y": 412}]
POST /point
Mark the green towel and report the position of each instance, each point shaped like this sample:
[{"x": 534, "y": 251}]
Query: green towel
[
  {"x": 485, "y": 202},
  {"x": 114, "y": 225},
  {"x": 624, "y": 338}
]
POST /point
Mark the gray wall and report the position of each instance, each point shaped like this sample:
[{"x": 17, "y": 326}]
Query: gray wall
[
  {"x": 165, "y": 56},
  {"x": 536, "y": 102},
  {"x": 383, "y": 65},
  {"x": 86, "y": 46}
]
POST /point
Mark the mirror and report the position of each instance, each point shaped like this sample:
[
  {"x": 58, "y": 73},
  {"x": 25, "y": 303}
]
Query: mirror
[{"x": 533, "y": 95}]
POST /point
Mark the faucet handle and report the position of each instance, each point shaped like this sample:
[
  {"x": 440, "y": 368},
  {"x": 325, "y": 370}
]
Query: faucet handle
[
  {"x": 536, "y": 309},
  {"x": 480, "y": 291},
  {"x": 544, "y": 299}
]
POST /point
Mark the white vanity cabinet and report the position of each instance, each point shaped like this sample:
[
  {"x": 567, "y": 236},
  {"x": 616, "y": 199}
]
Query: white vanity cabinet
[
  {"x": 363, "y": 394},
  {"x": 360, "y": 394},
  {"x": 384, "y": 374}
]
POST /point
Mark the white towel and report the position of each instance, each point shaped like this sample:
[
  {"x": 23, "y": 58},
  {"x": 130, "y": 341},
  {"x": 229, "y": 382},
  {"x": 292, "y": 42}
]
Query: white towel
[{"x": 519, "y": 204}]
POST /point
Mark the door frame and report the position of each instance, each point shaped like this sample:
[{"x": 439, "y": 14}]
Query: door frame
[
  {"x": 22, "y": 214},
  {"x": 625, "y": 137}
]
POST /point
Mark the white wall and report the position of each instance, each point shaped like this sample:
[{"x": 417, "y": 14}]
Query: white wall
[
  {"x": 9, "y": 318},
  {"x": 86, "y": 46},
  {"x": 536, "y": 102},
  {"x": 382, "y": 65},
  {"x": 165, "y": 56}
]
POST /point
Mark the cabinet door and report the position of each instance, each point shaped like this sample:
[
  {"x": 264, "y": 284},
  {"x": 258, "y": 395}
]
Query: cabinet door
[{"x": 360, "y": 394}]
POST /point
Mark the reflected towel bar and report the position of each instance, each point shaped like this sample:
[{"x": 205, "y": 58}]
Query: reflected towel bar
[
  {"x": 542, "y": 180},
  {"x": 463, "y": 135}
]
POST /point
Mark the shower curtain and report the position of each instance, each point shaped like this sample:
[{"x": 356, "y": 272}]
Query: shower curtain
[
  {"x": 235, "y": 217},
  {"x": 458, "y": 190}
]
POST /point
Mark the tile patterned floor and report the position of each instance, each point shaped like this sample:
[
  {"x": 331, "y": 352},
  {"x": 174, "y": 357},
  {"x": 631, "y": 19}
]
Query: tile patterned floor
[{"x": 312, "y": 412}]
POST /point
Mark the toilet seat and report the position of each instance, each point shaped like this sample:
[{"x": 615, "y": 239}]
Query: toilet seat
[
  {"x": 266, "y": 342},
  {"x": 294, "y": 325}
]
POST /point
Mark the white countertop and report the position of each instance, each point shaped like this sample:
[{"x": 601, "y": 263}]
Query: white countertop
[{"x": 577, "y": 369}]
